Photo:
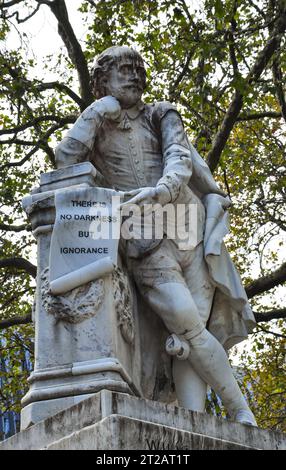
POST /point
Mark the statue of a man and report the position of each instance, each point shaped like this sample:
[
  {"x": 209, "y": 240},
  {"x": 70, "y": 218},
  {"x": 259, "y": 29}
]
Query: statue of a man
[{"x": 143, "y": 150}]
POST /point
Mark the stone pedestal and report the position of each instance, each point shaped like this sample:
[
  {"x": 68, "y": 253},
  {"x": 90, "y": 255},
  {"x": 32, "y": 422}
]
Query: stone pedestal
[
  {"x": 76, "y": 357},
  {"x": 117, "y": 421}
]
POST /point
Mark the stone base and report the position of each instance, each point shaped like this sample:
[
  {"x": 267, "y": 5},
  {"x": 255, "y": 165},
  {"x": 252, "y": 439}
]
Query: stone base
[
  {"x": 116, "y": 421},
  {"x": 40, "y": 410},
  {"x": 55, "y": 389}
]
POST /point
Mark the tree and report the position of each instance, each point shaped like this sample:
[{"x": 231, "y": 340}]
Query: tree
[{"x": 222, "y": 63}]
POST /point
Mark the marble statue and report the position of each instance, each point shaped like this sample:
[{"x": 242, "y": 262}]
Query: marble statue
[{"x": 143, "y": 152}]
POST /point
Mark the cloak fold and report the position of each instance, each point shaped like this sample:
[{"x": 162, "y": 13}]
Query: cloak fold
[{"x": 231, "y": 317}]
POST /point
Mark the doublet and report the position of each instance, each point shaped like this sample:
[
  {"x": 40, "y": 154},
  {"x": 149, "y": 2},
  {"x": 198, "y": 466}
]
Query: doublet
[
  {"x": 129, "y": 151},
  {"x": 145, "y": 147}
]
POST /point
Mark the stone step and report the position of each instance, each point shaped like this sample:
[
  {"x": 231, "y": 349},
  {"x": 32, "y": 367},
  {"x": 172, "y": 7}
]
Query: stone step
[
  {"x": 112, "y": 420},
  {"x": 120, "y": 433}
]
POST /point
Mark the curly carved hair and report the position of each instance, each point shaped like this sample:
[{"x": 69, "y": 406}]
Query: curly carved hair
[{"x": 104, "y": 62}]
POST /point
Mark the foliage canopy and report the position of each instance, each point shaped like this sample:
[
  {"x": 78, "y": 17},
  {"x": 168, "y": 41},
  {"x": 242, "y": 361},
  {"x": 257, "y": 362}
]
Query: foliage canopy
[{"x": 223, "y": 63}]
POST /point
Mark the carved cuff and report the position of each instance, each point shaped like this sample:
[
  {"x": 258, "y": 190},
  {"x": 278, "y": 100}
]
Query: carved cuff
[
  {"x": 171, "y": 184},
  {"x": 167, "y": 192}
]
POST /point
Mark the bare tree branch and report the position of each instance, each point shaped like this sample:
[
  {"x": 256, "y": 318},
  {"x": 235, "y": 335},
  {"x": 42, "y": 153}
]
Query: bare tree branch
[
  {"x": 51, "y": 154},
  {"x": 10, "y": 4},
  {"x": 50, "y": 117},
  {"x": 265, "y": 283},
  {"x": 173, "y": 88},
  {"x": 42, "y": 143},
  {"x": 15, "y": 228},
  {"x": 62, "y": 87},
  {"x": 24, "y": 159},
  {"x": 278, "y": 77},
  {"x": 187, "y": 12},
  {"x": 274, "y": 333},
  {"x": 22, "y": 20},
  {"x": 17, "y": 294},
  {"x": 39, "y": 86},
  {"x": 276, "y": 66},
  {"x": 251, "y": 116},
  {"x": 275, "y": 314},
  {"x": 261, "y": 12},
  {"x": 262, "y": 205},
  {"x": 255, "y": 116},
  {"x": 232, "y": 54},
  {"x": 223, "y": 133},
  {"x": 12, "y": 141},
  {"x": 236, "y": 103},
  {"x": 226, "y": 183},
  {"x": 19, "y": 263},
  {"x": 231, "y": 41},
  {"x": 15, "y": 321},
  {"x": 74, "y": 49},
  {"x": 44, "y": 2}
]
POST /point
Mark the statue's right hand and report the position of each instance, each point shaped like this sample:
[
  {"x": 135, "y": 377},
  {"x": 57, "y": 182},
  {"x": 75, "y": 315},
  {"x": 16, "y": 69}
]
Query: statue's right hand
[{"x": 108, "y": 106}]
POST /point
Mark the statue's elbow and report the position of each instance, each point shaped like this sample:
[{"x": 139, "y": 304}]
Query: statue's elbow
[
  {"x": 60, "y": 156},
  {"x": 68, "y": 152}
]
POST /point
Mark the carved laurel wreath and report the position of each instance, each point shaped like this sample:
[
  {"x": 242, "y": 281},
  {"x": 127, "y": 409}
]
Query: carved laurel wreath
[
  {"x": 76, "y": 305},
  {"x": 123, "y": 305},
  {"x": 84, "y": 302}
]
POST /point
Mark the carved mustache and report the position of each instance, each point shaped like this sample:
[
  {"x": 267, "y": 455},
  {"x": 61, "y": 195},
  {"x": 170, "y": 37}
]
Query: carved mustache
[{"x": 133, "y": 85}]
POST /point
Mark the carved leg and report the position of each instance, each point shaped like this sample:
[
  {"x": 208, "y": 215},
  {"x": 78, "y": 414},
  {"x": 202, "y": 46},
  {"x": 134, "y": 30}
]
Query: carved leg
[
  {"x": 191, "y": 390},
  {"x": 173, "y": 302},
  {"x": 210, "y": 360}
]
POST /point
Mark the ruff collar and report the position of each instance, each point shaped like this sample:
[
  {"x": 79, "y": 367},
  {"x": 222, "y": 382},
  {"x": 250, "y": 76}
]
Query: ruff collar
[{"x": 130, "y": 113}]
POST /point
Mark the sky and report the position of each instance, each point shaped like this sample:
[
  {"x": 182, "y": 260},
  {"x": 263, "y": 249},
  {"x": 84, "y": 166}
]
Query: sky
[
  {"x": 42, "y": 28},
  {"x": 42, "y": 36}
]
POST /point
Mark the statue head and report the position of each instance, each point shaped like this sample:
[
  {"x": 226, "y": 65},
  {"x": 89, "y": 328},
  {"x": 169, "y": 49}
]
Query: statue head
[{"x": 119, "y": 71}]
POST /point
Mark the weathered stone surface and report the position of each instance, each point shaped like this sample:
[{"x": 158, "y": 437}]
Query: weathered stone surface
[
  {"x": 120, "y": 433},
  {"x": 82, "y": 343},
  {"x": 77, "y": 304},
  {"x": 110, "y": 420},
  {"x": 39, "y": 410},
  {"x": 94, "y": 336},
  {"x": 73, "y": 174}
]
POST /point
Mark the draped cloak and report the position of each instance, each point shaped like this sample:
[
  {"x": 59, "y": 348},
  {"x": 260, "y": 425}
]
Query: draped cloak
[{"x": 231, "y": 317}]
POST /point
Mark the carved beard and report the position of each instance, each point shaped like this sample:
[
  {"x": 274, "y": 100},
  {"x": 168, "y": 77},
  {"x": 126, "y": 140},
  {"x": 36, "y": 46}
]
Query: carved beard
[
  {"x": 128, "y": 96},
  {"x": 123, "y": 93}
]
